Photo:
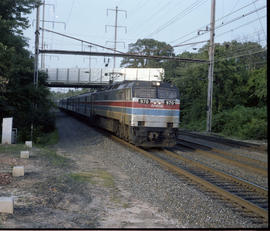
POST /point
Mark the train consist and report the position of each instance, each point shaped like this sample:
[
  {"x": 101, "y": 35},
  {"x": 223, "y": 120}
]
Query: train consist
[{"x": 144, "y": 113}]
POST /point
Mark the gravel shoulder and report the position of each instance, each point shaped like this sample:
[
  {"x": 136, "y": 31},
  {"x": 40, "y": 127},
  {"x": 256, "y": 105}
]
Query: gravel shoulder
[{"x": 89, "y": 181}]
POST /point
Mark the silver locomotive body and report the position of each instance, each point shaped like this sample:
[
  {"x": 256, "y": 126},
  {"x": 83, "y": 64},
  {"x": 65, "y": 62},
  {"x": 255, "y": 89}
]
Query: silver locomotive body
[{"x": 144, "y": 113}]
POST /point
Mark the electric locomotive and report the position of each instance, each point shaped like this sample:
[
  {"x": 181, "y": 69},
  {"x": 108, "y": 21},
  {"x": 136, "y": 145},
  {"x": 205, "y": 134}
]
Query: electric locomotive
[{"x": 144, "y": 113}]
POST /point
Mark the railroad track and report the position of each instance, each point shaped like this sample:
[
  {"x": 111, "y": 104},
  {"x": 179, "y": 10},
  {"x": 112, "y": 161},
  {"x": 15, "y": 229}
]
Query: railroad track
[
  {"x": 255, "y": 166},
  {"x": 229, "y": 142},
  {"x": 244, "y": 197}
]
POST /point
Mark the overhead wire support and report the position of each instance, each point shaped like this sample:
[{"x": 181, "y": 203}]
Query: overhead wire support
[
  {"x": 42, "y": 36},
  {"x": 37, "y": 34},
  {"x": 118, "y": 54},
  {"x": 116, "y": 27},
  {"x": 81, "y": 40},
  {"x": 211, "y": 67},
  {"x": 36, "y": 62},
  {"x": 117, "y": 42},
  {"x": 133, "y": 55}
]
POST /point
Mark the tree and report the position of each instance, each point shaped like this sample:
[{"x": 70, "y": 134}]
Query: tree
[
  {"x": 240, "y": 86},
  {"x": 16, "y": 73},
  {"x": 147, "y": 47}
]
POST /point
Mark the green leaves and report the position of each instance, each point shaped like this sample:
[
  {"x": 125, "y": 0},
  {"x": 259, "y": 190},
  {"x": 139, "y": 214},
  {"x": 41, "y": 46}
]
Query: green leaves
[
  {"x": 18, "y": 94},
  {"x": 256, "y": 87},
  {"x": 240, "y": 87},
  {"x": 147, "y": 47}
]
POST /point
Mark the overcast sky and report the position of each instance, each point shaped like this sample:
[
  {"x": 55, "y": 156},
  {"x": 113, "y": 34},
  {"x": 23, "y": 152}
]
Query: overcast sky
[{"x": 170, "y": 21}]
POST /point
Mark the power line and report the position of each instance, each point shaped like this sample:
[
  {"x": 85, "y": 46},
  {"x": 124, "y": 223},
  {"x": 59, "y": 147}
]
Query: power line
[
  {"x": 152, "y": 16},
  {"x": 187, "y": 44},
  {"x": 215, "y": 21},
  {"x": 176, "y": 17},
  {"x": 238, "y": 56},
  {"x": 242, "y": 16},
  {"x": 259, "y": 20},
  {"x": 132, "y": 55},
  {"x": 245, "y": 24},
  {"x": 121, "y": 54},
  {"x": 241, "y": 8},
  {"x": 82, "y": 41},
  {"x": 224, "y": 24}
]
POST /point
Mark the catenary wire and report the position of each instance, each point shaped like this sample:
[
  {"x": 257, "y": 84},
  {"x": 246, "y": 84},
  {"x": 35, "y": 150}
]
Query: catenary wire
[
  {"x": 176, "y": 17},
  {"x": 215, "y": 21},
  {"x": 224, "y": 24}
]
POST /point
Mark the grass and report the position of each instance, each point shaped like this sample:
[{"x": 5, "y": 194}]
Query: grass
[
  {"x": 96, "y": 176},
  {"x": 45, "y": 143},
  {"x": 48, "y": 139},
  {"x": 12, "y": 148},
  {"x": 54, "y": 158}
]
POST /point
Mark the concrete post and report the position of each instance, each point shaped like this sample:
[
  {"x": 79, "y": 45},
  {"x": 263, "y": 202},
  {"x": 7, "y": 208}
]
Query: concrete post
[
  {"x": 7, "y": 130},
  {"x": 6, "y": 204}
]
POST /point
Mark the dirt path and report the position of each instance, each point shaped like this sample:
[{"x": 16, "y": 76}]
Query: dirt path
[{"x": 69, "y": 186}]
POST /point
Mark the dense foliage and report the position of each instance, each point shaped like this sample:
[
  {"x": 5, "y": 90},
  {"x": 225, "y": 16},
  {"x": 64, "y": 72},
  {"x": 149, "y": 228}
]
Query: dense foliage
[
  {"x": 18, "y": 94},
  {"x": 240, "y": 86},
  {"x": 147, "y": 47}
]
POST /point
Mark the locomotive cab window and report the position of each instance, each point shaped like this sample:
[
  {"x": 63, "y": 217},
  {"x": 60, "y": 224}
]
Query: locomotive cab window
[
  {"x": 167, "y": 93},
  {"x": 141, "y": 92}
]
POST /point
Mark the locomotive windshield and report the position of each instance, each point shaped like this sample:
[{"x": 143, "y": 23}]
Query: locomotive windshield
[
  {"x": 156, "y": 92},
  {"x": 166, "y": 93},
  {"x": 145, "y": 92}
]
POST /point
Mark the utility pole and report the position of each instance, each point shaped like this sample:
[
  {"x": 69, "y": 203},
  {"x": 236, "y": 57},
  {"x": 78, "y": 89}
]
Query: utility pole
[
  {"x": 116, "y": 27},
  {"x": 115, "y": 33},
  {"x": 90, "y": 59},
  {"x": 36, "y": 62},
  {"x": 211, "y": 68},
  {"x": 42, "y": 36},
  {"x": 90, "y": 46},
  {"x": 36, "y": 48}
]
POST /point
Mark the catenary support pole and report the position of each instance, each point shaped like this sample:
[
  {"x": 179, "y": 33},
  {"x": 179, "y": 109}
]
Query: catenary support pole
[
  {"x": 42, "y": 36},
  {"x": 211, "y": 68},
  {"x": 36, "y": 48},
  {"x": 115, "y": 33},
  {"x": 36, "y": 60}
]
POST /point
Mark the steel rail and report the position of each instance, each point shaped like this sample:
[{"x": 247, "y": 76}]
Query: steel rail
[
  {"x": 226, "y": 141},
  {"x": 232, "y": 155},
  {"x": 241, "y": 158},
  {"x": 246, "y": 184},
  {"x": 229, "y": 161},
  {"x": 236, "y": 199}
]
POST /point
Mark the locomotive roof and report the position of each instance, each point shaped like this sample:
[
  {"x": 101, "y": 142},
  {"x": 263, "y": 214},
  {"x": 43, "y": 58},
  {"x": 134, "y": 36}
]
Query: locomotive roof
[
  {"x": 137, "y": 83},
  {"x": 127, "y": 84}
]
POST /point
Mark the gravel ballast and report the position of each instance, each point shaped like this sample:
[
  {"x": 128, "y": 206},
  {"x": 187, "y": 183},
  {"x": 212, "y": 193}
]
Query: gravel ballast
[{"x": 144, "y": 183}]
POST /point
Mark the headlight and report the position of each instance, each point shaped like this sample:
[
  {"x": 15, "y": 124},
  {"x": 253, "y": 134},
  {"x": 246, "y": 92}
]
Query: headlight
[
  {"x": 156, "y": 84},
  {"x": 170, "y": 102}
]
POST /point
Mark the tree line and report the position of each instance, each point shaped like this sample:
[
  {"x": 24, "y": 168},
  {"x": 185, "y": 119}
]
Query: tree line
[
  {"x": 239, "y": 88},
  {"x": 18, "y": 95}
]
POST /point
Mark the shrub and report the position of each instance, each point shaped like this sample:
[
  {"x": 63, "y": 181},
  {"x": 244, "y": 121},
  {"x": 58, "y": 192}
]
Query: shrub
[{"x": 242, "y": 122}]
